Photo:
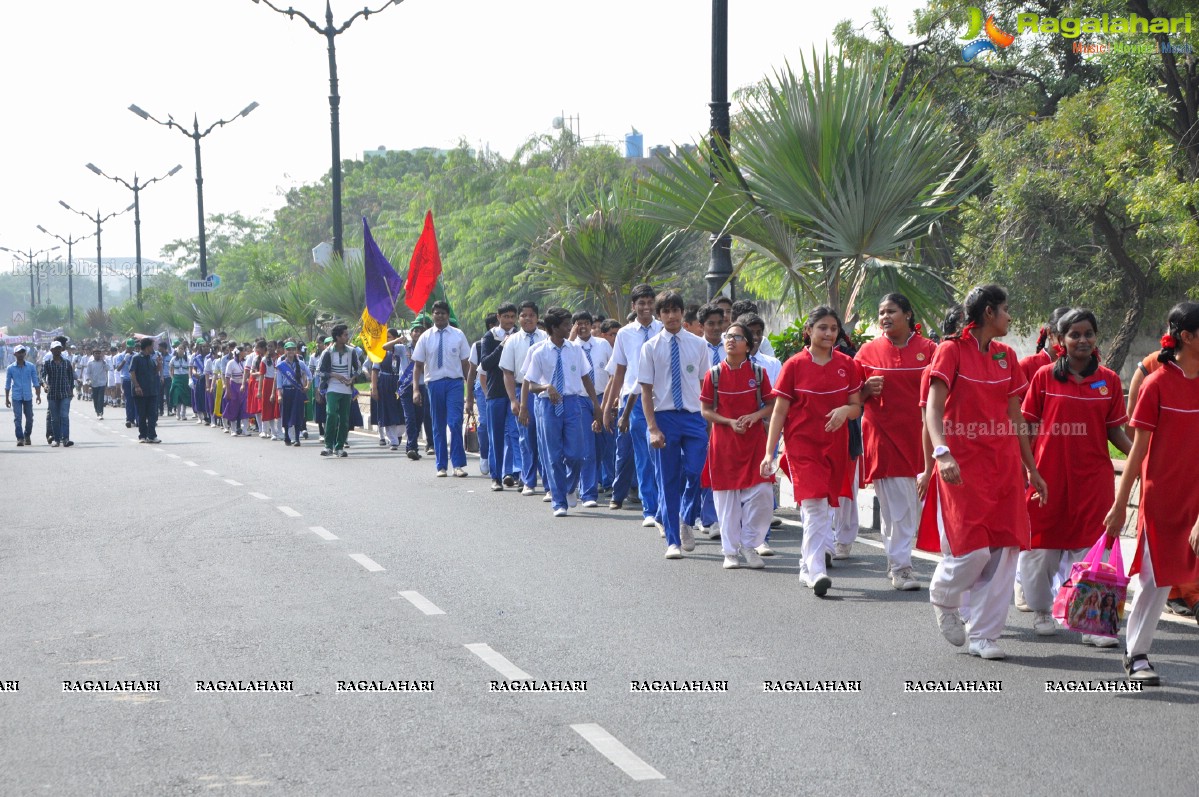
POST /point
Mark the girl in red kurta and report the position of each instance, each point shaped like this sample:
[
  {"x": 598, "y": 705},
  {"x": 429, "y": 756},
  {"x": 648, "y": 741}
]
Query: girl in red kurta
[
  {"x": 975, "y": 512},
  {"x": 817, "y": 392},
  {"x": 1077, "y": 406},
  {"x": 253, "y": 383},
  {"x": 744, "y": 498},
  {"x": 1166, "y": 420},
  {"x": 267, "y": 402},
  {"x": 893, "y": 449}
]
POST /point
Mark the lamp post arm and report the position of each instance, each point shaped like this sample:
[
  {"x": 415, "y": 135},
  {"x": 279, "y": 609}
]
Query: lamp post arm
[
  {"x": 365, "y": 13},
  {"x": 292, "y": 13}
]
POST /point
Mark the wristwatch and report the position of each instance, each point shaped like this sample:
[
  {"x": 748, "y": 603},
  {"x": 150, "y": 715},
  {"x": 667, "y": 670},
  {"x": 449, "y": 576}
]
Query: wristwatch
[{"x": 940, "y": 451}]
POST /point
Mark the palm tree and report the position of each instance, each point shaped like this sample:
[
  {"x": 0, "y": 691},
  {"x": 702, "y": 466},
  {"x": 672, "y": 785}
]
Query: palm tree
[
  {"x": 833, "y": 179},
  {"x": 220, "y": 311},
  {"x": 598, "y": 253},
  {"x": 292, "y": 302},
  {"x": 339, "y": 290},
  {"x": 99, "y": 322}
]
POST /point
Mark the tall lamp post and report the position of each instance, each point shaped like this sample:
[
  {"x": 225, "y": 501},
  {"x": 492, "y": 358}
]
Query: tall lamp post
[
  {"x": 31, "y": 255},
  {"x": 720, "y": 267},
  {"x": 98, "y": 220},
  {"x": 70, "y": 241},
  {"x": 136, "y": 188},
  {"x": 195, "y": 135},
  {"x": 330, "y": 32}
]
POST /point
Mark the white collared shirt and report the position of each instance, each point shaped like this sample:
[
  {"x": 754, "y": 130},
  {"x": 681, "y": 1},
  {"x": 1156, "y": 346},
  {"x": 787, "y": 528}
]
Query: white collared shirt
[
  {"x": 627, "y": 352},
  {"x": 543, "y": 359},
  {"x": 455, "y": 348},
  {"x": 694, "y": 361},
  {"x": 600, "y": 352},
  {"x": 516, "y": 351}
]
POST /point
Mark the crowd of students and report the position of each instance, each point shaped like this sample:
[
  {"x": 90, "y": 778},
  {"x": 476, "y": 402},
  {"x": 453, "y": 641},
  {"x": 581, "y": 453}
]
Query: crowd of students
[{"x": 999, "y": 464}]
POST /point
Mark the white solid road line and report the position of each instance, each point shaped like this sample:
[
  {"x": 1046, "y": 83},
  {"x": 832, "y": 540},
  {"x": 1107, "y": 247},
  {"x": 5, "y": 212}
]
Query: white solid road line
[
  {"x": 364, "y": 560},
  {"x": 420, "y": 602},
  {"x": 323, "y": 533},
  {"x": 498, "y": 662},
  {"x": 232, "y": 483},
  {"x": 611, "y": 748},
  {"x": 260, "y": 496},
  {"x": 287, "y": 510}
]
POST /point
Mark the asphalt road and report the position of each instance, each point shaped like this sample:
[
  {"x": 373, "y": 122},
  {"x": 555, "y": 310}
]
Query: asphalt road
[{"x": 196, "y": 560}]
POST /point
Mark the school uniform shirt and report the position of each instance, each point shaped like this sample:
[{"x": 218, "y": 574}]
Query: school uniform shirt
[
  {"x": 627, "y": 352},
  {"x": 516, "y": 351},
  {"x": 542, "y": 360},
  {"x": 892, "y": 424},
  {"x": 1168, "y": 406},
  {"x": 122, "y": 363},
  {"x": 734, "y": 460},
  {"x": 454, "y": 348},
  {"x": 655, "y": 369},
  {"x": 817, "y": 461},
  {"x": 95, "y": 373},
  {"x": 1072, "y": 455},
  {"x": 716, "y": 353},
  {"x": 772, "y": 365},
  {"x": 293, "y": 375},
  {"x": 988, "y": 508},
  {"x": 596, "y": 354},
  {"x": 1033, "y": 363},
  {"x": 179, "y": 366}
]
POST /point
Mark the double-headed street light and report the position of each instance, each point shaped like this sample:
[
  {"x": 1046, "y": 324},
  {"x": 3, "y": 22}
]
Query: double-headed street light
[
  {"x": 330, "y": 32},
  {"x": 98, "y": 220},
  {"x": 31, "y": 255},
  {"x": 70, "y": 241},
  {"x": 195, "y": 135},
  {"x": 137, "y": 213}
]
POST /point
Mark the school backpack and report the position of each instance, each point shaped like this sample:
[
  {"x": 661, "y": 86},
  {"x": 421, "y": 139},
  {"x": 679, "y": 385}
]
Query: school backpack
[{"x": 759, "y": 375}]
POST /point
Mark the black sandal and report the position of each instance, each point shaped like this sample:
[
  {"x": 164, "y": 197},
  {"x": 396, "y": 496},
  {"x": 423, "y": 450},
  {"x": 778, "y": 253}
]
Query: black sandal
[{"x": 1145, "y": 675}]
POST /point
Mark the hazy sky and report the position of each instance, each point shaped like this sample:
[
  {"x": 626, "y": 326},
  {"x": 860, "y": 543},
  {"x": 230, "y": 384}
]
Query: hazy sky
[{"x": 424, "y": 73}]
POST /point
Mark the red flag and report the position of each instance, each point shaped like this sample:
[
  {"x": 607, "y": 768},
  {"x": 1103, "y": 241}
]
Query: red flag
[{"x": 425, "y": 268}]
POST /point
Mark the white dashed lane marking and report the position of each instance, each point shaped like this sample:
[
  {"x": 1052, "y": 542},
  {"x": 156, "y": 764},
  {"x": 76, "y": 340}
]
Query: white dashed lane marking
[
  {"x": 287, "y": 510},
  {"x": 212, "y": 473},
  {"x": 232, "y": 483},
  {"x": 420, "y": 602},
  {"x": 611, "y": 748},
  {"x": 370, "y": 564},
  {"x": 323, "y": 533},
  {"x": 497, "y": 662},
  {"x": 260, "y": 496},
  {"x": 189, "y": 463}
]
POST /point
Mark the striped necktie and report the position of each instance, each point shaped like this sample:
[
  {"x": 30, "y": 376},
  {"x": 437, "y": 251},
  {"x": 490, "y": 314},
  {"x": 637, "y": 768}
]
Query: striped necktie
[
  {"x": 676, "y": 374},
  {"x": 559, "y": 383},
  {"x": 644, "y": 334},
  {"x": 440, "y": 348},
  {"x": 590, "y": 364},
  {"x": 715, "y": 347}
]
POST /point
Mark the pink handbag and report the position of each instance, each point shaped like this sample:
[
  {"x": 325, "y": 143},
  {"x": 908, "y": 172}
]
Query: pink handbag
[{"x": 1092, "y": 600}]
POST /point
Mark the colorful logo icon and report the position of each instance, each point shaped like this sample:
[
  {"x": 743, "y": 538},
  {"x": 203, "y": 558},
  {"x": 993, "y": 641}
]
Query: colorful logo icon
[{"x": 994, "y": 41}]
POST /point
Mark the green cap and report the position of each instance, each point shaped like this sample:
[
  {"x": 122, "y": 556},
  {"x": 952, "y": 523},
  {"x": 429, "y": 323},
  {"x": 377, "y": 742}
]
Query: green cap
[
  {"x": 289, "y": 345},
  {"x": 130, "y": 342},
  {"x": 422, "y": 320},
  {"x": 201, "y": 342},
  {"x": 328, "y": 339},
  {"x": 176, "y": 342}
]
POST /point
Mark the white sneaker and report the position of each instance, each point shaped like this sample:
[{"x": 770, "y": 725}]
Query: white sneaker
[
  {"x": 661, "y": 529},
  {"x": 1043, "y": 625},
  {"x": 1100, "y": 641},
  {"x": 1021, "y": 604},
  {"x": 765, "y": 550},
  {"x": 687, "y": 538},
  {"x": 274, "y": 437},
  {"x": 647, "y": 523},
  {"x": 442, "y": 473},
  {"x": 484, "y": 467},
  {"x": 902, "y": 579},
  {"x": 573, "y": 500},
  {"x": 753, "y": 560},
  {"x": 951, "y": 626},
  {"x": 708, "y": 532},
  {"x": 560, "y": 513},
  {"x": 986, "y": 649},
  {"x": 262, "y": 435},
  {"x": 731, "y": 562},
  {"x": 590, "y": 504},
  {"x": 527, "y": 491},
  {"x": 673, "y": 552},
  {"x": 460, "y": 473},
  {"x": 841, "y": 550},
  {"x": 545, "y": 499}
]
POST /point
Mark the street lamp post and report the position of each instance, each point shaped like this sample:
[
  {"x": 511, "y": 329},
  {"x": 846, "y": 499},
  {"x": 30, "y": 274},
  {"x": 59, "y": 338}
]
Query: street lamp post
[
  {"x": 98, "y": 220},
  {"x": 30, "y": 255},
  {"x": 136, "y": 188},
  {"x": 195, "y": 135},
  {"x": 330, "y": 32},
  {"x": 70, "y": 241},
  {"x": 720, "y": 267}
]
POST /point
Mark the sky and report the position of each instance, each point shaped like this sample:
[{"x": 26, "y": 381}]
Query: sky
[{"x": 425, "y": 73}]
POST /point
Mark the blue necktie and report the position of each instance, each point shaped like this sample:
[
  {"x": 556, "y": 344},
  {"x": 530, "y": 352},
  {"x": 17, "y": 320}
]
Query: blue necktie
[
  {"x": 753, "y": 358},
  {"x": 532, "y": 338},
  {"x": 644, "y": 334},
  {"x": 715, "y": 347},
  {"x": 559, "y": 383},
  {"x": 676, "y": 374},
  {"x": 440, "y": 348},
  {"x": 590, "y": 365}
]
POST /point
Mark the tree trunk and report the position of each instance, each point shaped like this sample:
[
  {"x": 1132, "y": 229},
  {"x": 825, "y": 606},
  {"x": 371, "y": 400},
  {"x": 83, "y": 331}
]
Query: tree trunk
[{"x": 1136, "y": 285}]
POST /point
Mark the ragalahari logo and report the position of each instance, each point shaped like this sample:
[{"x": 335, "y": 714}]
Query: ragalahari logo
[{"x": 994, "y": 40}]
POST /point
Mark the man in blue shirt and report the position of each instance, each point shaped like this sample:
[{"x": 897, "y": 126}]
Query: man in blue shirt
[
  {"x": 21, "y": 384},
  {"x": 122, "y": 363}
]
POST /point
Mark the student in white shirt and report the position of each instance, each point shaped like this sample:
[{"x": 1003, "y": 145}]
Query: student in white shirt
[
  {"x": 512, "y": 360},
  {"x": 699, "y": 508},
  {"x": 632, "y": 441},
  {"x": 441, "y": 359},
  {"x": 556, "y": 372},
  {"x": 596, "y": 353},
  {"x": 672, "y": 364}
]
